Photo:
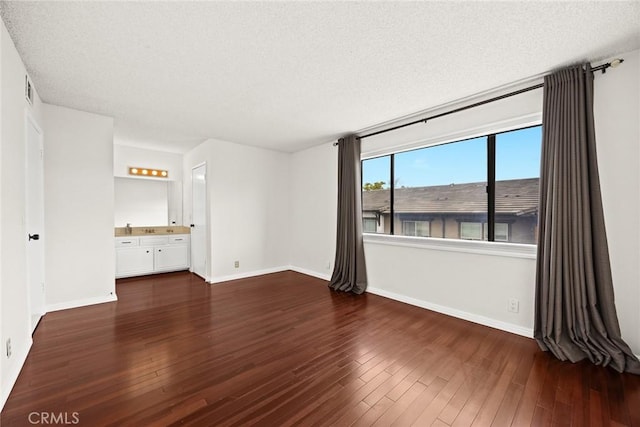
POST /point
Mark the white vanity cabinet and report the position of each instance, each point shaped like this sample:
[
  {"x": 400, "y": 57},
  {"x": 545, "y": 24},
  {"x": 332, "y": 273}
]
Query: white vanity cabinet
[
  {"x": 172, "y": 256},
  {"x": 139, "y": 255}
]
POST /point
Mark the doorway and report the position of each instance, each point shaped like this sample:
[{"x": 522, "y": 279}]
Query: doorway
[
  {"x": 34, "y": 192},
  {"x": 199, "y": 220}
]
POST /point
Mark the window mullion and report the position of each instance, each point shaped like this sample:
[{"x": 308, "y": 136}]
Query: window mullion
[
  {"x": 391, "y": 194},
  {"x": 491, "y": 187}
]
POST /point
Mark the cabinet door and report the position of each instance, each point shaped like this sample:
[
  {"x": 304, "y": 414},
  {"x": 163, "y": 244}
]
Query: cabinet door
[
  {"x": 134, "y": 261},
  {"x": 171, "y": 257}
]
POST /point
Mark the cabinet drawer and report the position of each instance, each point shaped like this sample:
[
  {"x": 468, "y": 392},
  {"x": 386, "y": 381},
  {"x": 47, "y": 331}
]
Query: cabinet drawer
[
  {"x": 126, "y": 241},
  {"x": 153, "y": 240},
  {"x": 177, "y": 240}
]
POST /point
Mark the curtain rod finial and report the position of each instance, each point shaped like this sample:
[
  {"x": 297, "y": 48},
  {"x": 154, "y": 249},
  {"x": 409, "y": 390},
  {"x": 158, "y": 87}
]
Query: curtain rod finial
[{"x": 616, "y": 62}]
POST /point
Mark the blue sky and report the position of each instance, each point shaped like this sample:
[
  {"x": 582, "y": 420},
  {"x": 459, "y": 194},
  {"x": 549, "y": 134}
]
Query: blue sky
[{"x": 517, "y": 156}]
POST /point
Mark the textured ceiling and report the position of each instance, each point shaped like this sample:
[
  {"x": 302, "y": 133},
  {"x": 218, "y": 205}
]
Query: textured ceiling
[{"x": 289, "y": 75}]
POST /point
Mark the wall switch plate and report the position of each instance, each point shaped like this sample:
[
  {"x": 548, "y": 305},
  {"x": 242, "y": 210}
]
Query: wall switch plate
[
  {"x": 514, "y": 305},
  {"x": 236, "y": 264},
  {"x": 9, "y": 347}
]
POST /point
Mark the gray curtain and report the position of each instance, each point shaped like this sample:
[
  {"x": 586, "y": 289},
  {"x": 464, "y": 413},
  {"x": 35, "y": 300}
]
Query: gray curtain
[
  {"x": 349, "y": 272},
  {"x": 575, "y": 316}
]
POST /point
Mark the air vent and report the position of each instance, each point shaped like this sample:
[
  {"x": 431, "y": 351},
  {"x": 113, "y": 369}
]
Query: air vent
[{"x": 28, "y": 90}]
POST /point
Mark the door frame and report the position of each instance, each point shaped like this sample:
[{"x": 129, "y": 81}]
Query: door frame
[
  {"x": 30, "y": 120},
  {"x": 207, "y": 263}
]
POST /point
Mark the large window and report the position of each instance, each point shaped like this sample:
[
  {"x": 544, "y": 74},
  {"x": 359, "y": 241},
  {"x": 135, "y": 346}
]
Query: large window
[
  {"x": 376, "y": 205},
  {"x": 483, "y": 188},
  {"x": 517, "y": 181}
]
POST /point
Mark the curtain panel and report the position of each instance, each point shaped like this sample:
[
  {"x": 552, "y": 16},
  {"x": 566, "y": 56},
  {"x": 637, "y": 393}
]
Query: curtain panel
[
  {"x": 575, "y": 315},
  {"x": 349, "y": 272}
]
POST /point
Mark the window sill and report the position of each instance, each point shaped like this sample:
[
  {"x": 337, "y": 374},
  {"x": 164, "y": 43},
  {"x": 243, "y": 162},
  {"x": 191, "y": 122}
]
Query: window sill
[{"x": 512, "y": 250}]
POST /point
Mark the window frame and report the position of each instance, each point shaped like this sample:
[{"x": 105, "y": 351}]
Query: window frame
[
  {"x": 370, "y": 219},
  {"x": 415, "y": 228},
  {"x": 506, "y": 224},
  {"x": 484, "y": 226},
  {"x": 482, "y": 230},
  {"x": 491, "y": 182}
]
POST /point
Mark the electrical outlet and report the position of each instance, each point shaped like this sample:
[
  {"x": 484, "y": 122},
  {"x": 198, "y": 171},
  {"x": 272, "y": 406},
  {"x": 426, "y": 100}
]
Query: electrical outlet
[
  {"x": 9, "y": 347},
  {"x": 514, "y": 305},
  {"x": 236, "y": 264}
]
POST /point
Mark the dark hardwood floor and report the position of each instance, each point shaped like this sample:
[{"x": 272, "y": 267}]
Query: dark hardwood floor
[{"x": 282, "y": 349}]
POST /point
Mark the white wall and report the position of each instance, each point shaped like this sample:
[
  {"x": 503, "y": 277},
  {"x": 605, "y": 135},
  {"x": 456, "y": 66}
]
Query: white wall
[
  {"x": 2, "y": 379},
  {"x": 14, "y": 301},
  {"x": 79, "y": 208},
  {"x": 617, "y": 120},
  {"x": 474, "y": 285},
  {"x": 314, "y": 204},
  {"x": 248, "y": 203}
]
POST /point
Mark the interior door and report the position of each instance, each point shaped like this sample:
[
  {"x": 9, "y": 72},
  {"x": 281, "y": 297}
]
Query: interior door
[
  {"x": 199, "y": 221},
  {"x": 34, "y": 219}
]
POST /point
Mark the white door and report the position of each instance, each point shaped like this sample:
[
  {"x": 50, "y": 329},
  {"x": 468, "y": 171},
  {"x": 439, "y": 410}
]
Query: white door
[
  {"x": 34, "y": 219},
  {"x": 199, "y": 221}
]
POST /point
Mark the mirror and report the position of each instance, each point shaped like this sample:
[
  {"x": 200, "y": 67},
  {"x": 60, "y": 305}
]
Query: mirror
[{"x": 147, "y": 202}]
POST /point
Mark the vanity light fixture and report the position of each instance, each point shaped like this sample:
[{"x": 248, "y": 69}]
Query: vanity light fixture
[{"x": 152, "y": 173}]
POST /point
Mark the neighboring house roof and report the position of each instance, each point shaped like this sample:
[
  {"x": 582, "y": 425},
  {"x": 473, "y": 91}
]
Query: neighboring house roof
[{"x": 517, "y": 196}]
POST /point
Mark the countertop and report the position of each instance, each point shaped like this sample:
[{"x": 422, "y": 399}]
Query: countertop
[{"x": 151, "y": 231}]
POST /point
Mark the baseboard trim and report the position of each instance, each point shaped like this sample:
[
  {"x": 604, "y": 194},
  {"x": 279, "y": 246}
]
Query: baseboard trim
[
  {"x": 471, "y": 317},
  {"x": 312, "y": 273},
  {"x": 248, "y": 274},
  {"x": 205, "y": 278},
  {"x": 14, "y": 373},
  {"x": 81, "y": 303}
]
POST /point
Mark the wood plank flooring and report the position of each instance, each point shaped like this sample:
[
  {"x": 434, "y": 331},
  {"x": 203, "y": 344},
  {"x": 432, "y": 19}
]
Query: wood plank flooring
[{"x": 282, "y": 350}]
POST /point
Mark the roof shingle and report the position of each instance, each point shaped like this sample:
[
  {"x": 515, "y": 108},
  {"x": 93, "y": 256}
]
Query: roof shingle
[{"x": 516, "y": 196}]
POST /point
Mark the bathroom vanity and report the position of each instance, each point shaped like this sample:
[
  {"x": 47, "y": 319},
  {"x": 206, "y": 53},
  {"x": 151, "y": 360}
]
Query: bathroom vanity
[{"x": 151, "y": 250}]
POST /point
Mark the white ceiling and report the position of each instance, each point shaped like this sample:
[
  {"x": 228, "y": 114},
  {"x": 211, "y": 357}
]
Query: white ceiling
[{"x": 289, "y": 75}]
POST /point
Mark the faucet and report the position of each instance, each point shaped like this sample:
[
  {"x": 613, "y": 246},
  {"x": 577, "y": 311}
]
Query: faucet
[{"x": 127, "y": 229}]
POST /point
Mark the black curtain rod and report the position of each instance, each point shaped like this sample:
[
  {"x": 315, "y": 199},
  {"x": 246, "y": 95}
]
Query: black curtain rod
[{"x": 602, "y": 68}]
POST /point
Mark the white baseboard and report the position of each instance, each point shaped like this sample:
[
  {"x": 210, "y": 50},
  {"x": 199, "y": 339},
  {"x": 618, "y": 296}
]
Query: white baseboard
[
  {"x": 475, "y": 318},
  {"x": 12, "y": 375},
  {"x": 247, "y": 274},
  {"x": 206, "y": 279},
  {"x": 482, "y": 320},
  {"x": 312, "y": 273},
  {"x": 81, "y": 302}
]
